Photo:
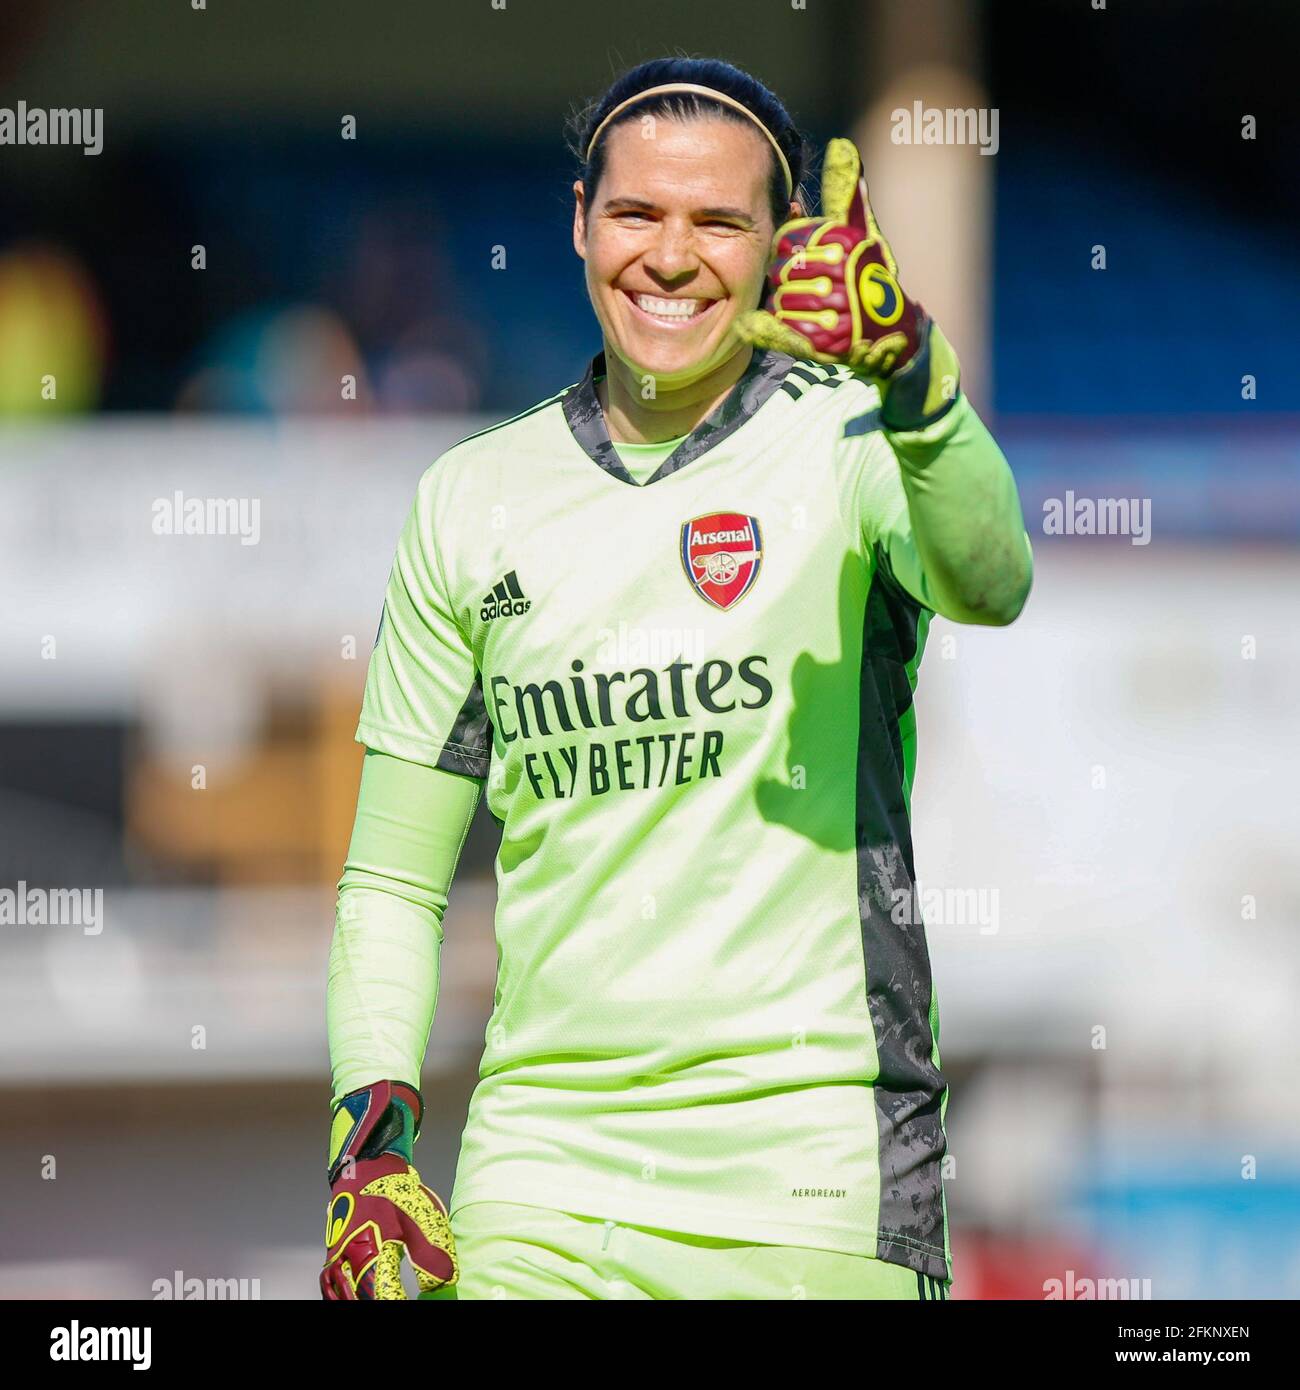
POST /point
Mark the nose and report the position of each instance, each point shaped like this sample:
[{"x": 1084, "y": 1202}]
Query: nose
[{"x": 673, "y": 254}]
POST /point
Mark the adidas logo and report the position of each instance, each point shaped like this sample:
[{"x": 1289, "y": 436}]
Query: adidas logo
[{"x": 505, "y": 601}]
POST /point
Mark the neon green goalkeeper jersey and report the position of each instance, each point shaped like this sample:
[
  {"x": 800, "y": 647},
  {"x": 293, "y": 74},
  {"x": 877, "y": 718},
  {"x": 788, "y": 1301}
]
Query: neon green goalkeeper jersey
[{"x": 690, "y": 699}]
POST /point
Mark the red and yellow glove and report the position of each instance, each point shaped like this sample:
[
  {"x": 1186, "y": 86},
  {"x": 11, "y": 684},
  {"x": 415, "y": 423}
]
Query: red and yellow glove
[
  {"x": 835, "y": 297},
  {"x": 379, "y": 1208}
]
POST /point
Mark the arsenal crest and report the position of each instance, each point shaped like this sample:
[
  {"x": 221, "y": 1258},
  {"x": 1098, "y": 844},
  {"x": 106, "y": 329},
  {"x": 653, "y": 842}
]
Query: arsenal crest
[{"x": 721, "y": 554}]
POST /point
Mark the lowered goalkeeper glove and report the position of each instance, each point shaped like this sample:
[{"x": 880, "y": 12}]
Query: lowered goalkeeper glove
[
  {"x": 835, "y": 297},
  {"x": 378, "y": 1206}
]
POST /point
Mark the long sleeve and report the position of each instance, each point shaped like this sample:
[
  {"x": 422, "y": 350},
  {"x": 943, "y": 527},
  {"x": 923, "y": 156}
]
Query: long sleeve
[
  {"x": 945, "y": 511},
  {"x": 410, "y": 828}
]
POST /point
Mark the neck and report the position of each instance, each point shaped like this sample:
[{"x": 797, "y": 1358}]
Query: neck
[{"x": 674, "y": 411}]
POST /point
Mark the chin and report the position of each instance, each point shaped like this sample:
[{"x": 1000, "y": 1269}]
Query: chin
[{"x": 665, "y": 361}]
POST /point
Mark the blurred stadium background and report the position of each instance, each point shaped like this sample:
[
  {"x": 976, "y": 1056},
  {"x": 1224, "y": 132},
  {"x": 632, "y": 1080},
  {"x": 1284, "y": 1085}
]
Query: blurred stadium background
[{"x": 1105, "y": 809}]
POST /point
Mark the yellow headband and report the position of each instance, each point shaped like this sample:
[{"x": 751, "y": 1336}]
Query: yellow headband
[{"x": 713, "y": 96}]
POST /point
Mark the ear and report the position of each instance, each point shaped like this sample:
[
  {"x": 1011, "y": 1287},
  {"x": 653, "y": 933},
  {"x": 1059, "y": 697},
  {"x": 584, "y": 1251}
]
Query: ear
[{"x": 579, "y": 220}]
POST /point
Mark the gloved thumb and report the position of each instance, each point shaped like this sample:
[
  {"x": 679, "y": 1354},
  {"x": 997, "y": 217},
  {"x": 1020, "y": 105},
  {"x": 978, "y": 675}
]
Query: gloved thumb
[{"x": 844, "y": 190}]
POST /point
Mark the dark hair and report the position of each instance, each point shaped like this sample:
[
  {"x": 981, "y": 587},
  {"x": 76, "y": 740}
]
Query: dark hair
[{"x": 704, "y": 72}]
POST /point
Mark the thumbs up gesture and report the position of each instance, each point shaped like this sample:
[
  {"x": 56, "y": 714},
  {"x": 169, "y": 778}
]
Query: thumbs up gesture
[{"x": 835, "y": 295}]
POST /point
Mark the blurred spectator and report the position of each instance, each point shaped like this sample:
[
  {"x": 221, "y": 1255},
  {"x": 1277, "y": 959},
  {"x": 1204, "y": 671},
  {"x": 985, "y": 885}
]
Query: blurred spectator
[
  {"x": 287, "y": 361},
  {"x": 53, "y": 333}
]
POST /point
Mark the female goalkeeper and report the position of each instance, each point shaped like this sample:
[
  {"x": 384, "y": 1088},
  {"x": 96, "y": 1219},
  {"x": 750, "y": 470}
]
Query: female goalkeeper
[{"x": 670, "y": 619}]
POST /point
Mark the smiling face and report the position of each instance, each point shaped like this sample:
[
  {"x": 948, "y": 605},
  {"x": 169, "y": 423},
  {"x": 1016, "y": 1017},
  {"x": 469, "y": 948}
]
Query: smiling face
[{"x": 676, "y": 243}]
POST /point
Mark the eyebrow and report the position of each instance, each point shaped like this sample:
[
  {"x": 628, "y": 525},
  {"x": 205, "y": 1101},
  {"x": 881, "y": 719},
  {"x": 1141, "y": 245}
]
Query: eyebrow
[{"x": 642, "y": 205}]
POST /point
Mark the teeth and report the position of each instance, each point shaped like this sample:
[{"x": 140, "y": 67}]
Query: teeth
[{"x": 668, "y": 308}]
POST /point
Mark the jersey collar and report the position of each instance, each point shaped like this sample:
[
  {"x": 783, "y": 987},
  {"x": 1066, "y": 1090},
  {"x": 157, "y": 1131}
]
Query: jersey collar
[{"x": 586, "y": 420}]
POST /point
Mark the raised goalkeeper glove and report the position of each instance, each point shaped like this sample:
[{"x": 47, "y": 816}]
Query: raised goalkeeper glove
[
  {"x": 835, "y": 297},
  {"x": 378, "y": 1206}
]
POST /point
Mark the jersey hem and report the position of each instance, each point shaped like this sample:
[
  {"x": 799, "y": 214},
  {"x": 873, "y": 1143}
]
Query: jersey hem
[{"x": 888, "y": 1247}]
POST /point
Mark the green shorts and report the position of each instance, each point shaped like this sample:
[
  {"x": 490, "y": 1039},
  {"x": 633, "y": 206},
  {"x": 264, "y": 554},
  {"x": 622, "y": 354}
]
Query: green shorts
[{"x": 512, "y": 1251}]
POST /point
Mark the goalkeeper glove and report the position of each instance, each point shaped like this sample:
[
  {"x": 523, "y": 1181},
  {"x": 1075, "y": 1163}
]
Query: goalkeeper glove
[
  {"x": 835, "y": 297},
  {"x": 378, "y": 1206}
]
